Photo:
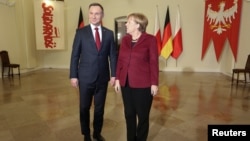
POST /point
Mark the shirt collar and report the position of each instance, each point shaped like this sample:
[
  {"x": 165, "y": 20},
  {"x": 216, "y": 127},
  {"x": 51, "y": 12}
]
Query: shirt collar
[{"x": 93, "y": 27}]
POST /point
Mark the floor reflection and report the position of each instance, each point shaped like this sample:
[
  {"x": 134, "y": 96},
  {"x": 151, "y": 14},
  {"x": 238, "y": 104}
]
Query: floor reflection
[
  {"x": 42, "y": 106},
  {"x": 218, "y": 107},
  {"x": 167, "y": 98}
]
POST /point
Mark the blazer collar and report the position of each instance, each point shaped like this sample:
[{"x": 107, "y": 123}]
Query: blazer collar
[{"x": 141, "y": 38}]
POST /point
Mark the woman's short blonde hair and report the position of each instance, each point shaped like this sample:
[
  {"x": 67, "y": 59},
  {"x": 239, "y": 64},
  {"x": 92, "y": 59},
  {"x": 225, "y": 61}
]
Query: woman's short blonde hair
[{"x": 140, "y": 19}]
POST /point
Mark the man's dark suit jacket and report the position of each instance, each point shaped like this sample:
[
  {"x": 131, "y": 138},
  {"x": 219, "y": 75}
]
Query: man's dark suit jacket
[
  {"x": 138, "y": 63},
  {"x": 87, "y": 63}
]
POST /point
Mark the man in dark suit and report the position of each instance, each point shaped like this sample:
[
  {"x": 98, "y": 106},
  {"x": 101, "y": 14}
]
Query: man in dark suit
[{"x": 90, "y": 70}]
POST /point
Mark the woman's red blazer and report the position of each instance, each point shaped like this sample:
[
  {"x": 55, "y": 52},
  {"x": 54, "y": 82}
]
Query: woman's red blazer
[{"x": 138, "y": 63}]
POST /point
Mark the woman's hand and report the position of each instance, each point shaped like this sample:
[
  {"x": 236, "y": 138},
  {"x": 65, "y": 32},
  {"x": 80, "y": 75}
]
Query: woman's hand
[
  {"x": 117, "y": 86},
  {"x": 154, "y": 90}
]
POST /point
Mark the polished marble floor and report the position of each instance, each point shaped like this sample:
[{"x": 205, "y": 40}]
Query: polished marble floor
[{"x": 42, "y": 106}]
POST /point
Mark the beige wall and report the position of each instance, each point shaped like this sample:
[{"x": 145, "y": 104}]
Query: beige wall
[{"x": 18, "y": 36}]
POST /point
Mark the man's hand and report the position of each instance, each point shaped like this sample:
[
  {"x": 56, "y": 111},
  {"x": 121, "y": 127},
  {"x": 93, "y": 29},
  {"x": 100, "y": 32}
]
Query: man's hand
[
  {"x": 112, "y": 81},
  {"x": 74, "y": 82}
]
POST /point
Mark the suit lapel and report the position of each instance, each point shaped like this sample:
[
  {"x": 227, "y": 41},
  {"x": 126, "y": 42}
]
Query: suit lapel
[{"x": 90, "y": 34}]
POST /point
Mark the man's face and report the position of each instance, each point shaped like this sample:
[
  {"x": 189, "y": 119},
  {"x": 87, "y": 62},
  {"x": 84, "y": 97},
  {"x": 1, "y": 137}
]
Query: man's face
[{"x": 95, "y": 15}]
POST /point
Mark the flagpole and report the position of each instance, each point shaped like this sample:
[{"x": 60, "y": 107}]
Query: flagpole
[
  {"x": 176, "y": 63},
  {"x": 178, "y": 6}
]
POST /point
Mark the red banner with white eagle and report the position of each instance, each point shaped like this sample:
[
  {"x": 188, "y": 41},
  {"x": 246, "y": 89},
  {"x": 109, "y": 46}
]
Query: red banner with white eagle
[
  {"x": 49, "y": 24},
  {"x": 221, "y": 22}
]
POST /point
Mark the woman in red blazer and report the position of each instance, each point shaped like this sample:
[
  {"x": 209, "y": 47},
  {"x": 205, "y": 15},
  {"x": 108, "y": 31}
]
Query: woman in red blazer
[{"x": 137, "y": 76}]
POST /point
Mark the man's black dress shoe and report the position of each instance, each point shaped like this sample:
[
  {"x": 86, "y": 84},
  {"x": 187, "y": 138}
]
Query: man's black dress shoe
[
  {"x": 98, "y": 137},
  {"x": 87, "y": 138}
]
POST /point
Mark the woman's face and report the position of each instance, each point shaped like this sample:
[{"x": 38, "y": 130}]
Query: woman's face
[{"x": 131, "y": 25}]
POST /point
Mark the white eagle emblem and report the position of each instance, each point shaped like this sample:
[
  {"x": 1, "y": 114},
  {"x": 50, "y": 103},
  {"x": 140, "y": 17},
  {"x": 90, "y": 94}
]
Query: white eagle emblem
[{"x": 221, "y": 20}]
